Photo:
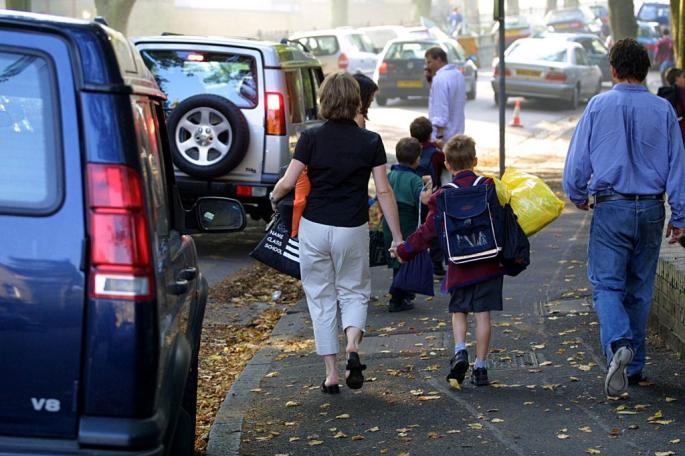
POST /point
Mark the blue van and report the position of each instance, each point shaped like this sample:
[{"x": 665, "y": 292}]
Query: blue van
[{"x": 101, "y": 300}]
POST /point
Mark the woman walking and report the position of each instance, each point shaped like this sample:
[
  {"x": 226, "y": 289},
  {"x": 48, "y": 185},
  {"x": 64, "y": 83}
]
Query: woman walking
[{"x": 334, "y": 232}]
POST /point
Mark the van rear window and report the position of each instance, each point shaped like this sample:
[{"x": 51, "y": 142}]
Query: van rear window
[
  {"x": 30, "y": 175},
  {"x": 182, "y": 74}
]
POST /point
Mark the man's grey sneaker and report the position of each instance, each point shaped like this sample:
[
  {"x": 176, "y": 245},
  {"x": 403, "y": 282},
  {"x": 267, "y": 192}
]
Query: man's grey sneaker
[
  {"x": 616, "y": 382},
  {"x": 459, "y": 364},
  {"x": 480, "y": 377}
]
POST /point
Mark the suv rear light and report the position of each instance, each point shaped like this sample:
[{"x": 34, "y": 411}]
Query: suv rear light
[
  {"x": 275, "y": 114},
  {"x": 383, "y": 69},
  {"x": 507, "y": 71},
  {"x": 120, "y": 256},
  {"x": 248, "y": 190},
  {"x": 343, "y": 62},
  {"x": 555, "y": 76}
]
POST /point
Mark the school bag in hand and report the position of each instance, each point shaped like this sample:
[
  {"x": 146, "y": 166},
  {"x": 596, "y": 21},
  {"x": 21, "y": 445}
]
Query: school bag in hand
[
  {"x": 278, "y": 249},
  {"x": 469, "y": 222},
  {"x": 516, "y": 247}
]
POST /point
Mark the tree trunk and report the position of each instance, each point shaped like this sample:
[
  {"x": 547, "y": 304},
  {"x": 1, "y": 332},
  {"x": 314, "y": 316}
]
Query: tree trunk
[
  {"x": 115, "y": 12},
  {"x": 677, "y": 32},
  {"x": 19, "y": 5},
  {"x": 550, "y": 5},
  {"x": 422, "y": 8},
  {"x": 339, "y": 16},
  {"x": 512, "y": 8},
  {"x": 622, "y": 19},
  {"x": 571, "y": 3}
]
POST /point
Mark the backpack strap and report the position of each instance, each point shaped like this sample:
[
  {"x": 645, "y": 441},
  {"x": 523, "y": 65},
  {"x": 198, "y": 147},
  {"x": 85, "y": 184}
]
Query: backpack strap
[
  {"x": 451, "y": 184},
  {"x": 477, "y": 181}
]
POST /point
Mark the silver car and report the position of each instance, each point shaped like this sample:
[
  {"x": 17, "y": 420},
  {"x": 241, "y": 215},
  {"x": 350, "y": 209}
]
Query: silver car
[
  {"x": 547, "y": 68},
  {"x": 340, "y": 49}
]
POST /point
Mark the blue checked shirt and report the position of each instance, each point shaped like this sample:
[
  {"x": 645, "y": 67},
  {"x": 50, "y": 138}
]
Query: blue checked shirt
[{"x": 628, "y": 140}]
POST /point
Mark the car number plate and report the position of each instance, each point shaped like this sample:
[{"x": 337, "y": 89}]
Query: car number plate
[
  {"x": 531, "y": 73},
  {"x": 410, "y": 84}
]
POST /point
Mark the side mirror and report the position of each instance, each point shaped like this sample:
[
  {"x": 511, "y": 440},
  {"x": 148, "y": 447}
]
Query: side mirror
[{"x": 219, "y": 215}]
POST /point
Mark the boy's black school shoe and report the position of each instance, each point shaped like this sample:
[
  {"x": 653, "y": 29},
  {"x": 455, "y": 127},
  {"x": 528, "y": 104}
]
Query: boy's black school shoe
[
  {"x": 400, "y": 306},
  {"x": 480, "y": 377},
  {"x": 636, "y": 378},
  {"x": 459, "y": 364}
]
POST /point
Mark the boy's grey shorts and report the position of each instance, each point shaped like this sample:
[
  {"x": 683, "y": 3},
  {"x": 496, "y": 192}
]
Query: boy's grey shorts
[{"x": 481, "y": 297}]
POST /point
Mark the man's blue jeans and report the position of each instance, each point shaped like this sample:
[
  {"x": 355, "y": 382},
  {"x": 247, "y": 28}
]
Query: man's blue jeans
[{"x": 625, "y": 238}]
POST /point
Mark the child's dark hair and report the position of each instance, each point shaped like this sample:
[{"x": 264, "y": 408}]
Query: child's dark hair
[
  {"x": 366, "y": 90},
  {"x": 460, "y": 152},
  {"x": 630, "y": 60},
  {"x": 421, "y": 129},
  {"x": 407, "y": 151},
  {"x": 672, "y": 74}
]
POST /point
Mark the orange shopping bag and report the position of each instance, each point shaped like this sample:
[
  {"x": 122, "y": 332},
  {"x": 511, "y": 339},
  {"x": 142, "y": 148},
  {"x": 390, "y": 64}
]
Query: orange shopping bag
[{"x": 302, "y": 189}]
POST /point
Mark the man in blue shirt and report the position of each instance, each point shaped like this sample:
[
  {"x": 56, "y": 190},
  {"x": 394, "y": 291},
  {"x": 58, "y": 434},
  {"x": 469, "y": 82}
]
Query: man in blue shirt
[
  {"x": 625, "y": 153},
  {"x": 447, "y": 96}
]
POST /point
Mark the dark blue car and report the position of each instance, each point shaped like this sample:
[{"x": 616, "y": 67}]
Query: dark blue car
[{"x": 101, "y": 300}]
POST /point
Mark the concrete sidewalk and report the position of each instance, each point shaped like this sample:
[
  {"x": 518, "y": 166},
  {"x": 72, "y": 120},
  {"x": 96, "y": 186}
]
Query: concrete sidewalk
[{"x": 546, "y": 366}]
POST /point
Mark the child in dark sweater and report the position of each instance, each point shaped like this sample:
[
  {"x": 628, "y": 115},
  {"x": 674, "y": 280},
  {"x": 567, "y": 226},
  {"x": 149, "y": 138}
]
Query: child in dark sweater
[{"x": 474, "y": 287}]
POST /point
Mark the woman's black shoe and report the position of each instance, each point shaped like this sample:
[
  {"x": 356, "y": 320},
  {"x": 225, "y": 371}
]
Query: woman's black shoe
[
  {"x": 330, "y": 389},
  {"x": 400, "y": 306},
  {"x": 480, "y": 377},
  {"x": 355, "y": 380}
]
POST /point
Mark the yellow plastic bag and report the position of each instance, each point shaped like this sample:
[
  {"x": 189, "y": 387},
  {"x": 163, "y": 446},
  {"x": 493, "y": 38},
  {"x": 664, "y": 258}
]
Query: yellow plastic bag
[
  {"x": 503, "y": 193},
  {"x": 533, "y": 202}
]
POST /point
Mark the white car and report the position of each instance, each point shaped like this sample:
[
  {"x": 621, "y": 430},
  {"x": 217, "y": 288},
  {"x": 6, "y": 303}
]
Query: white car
[
  {"x": 381, "y": 34},
  {"x": 340, "y": 49}
]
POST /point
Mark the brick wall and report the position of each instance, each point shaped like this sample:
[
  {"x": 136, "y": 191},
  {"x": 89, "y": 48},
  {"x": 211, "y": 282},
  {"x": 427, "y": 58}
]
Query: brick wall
[{"x": 668, "y": 304}]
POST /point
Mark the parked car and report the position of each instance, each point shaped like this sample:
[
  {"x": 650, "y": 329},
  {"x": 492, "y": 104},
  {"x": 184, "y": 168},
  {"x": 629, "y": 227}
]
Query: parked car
[
  {"x": 595, "y": 49},
  {"x": 340, "y": 49},
  {"x": 547, "y": 68},
  {"x": 101, "y": 299},
  {"x": 515, "y": 27},
  {"x": 381, "y": 34},
  {"x": 648, "y": 37},
  {"x": 400, "y": 68},
  {"x": 578, "y": 19},
  {"x": 235, "y": 110},
  {"x": 655, "y": 12}
]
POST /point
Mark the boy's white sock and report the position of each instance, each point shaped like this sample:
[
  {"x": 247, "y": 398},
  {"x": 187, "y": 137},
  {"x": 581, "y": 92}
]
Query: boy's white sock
[
  {"x": 480, "y": 363},
  {"x": 459, "y": 347}
]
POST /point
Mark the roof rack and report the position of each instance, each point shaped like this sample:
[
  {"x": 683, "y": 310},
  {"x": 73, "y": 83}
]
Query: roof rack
[
  {"x": 171, "y": 34},
  {"x": 296, "y": 43}
]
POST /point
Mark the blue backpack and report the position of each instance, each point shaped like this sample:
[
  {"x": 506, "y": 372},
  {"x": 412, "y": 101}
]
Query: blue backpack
[{"x": 469, "y": 222}]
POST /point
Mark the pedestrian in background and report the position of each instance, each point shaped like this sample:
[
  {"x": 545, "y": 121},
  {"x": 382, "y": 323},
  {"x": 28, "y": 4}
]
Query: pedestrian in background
[
  {"x": 663, "y": 59},
  {"x": 447, "y": 96},
  {"x": 474, "y": 287},
  {"x": 367, "y": 92},
  {"x": 674, "y": 92},
  {"x": 411, "y": 191},
  {"x": 625, "y": 153},
  {"x": 455, "y": 22},
  {"x": 334, "y": 233}
]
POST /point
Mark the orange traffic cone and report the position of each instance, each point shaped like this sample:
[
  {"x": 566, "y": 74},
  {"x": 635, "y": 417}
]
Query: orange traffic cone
[{"x": 516, "y": 120}]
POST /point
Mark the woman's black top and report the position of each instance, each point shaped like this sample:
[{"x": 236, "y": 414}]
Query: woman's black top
[{"x": 339, "y": 157}]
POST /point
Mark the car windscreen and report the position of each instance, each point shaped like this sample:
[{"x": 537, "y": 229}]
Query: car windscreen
[
  {"x": 320, "y": 46},
  {"x": 653, "y": 12},
  {"x": 408, "y": 51},
  {"x": 31, "y": 171},
  {"x": 360, "y": 42},
  {"x": 545, "y": 50},
  {"x": 182, "y": 74}
]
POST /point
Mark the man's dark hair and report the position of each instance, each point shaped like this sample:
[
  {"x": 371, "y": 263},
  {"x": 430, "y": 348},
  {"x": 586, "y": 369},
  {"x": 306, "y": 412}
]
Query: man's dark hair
[
  {"x": 630, "y": 60},
  {"x": 407, "y": 151},
  {"x": 421, "y": 129},
  {"x": 665, "y": 31},
  {"x": 366, "y": 90},
  {"x": 672, "y": 74},
  {"x": 437, "y": 53}
]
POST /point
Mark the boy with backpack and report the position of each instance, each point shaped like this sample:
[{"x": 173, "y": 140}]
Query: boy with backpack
[
  {"x": 467, "y": 218},
  {"x": 411, "y": 191},
  {"x": 432, "y": 163}
]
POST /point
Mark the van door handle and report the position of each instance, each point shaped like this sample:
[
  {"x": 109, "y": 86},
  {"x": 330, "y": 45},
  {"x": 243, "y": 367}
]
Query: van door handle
[
  {"x": 179, "y": 287},
  {"x": 189, "y": 273}
]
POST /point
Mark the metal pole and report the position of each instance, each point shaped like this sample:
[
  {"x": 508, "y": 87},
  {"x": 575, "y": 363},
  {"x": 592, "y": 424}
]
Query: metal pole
[{"x": 502, "y": 89}]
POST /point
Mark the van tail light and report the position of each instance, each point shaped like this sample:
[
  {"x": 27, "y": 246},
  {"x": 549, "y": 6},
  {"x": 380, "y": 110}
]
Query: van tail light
[
  {"x": 275, "y": 114},
  {"x": 343, "y": 62},
  {"x": 120, "y": 256},
  {"x": 383, "y": 69},
  {"x": 507, "y": 71},
  {"x": 555, "y": 76}
]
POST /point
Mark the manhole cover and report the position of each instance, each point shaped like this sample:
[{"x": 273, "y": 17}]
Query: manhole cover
[
  {"x": 514, "y": 360},
  {"x": 565, "y": 306}
]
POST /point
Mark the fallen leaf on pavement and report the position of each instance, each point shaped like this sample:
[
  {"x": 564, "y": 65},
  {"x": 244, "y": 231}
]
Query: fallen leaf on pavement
[
  {"x": 454, "y": 384},
  {"x": 641, "y": 407},
  {"x": 476, "y": 426},
  {"x": 674, "y": 441},
  {"x": 344, "y": 416},
  {"x": 615, "y": 431},
  {"x": 356, "y": 438},
  {"x": 340, "y": 435},
  {"x": 293, "y": 439},
  {"x": 656, "y": 416},
  {"x": 272, "y": 374},
  {"x": 574, "y": 379},
  {"x": 373, "y": 429},
  {"x": 664, "y": 453},
  {"x": 546, "y": 363},
  {"x": 671, "y": 399},
  {"x": 292, "y": 404},
  {"x": 497, "y": 420},
  {"x": 428, "y": 398},
  {"x": 314, "y": 442},
  {"x": 585, "y": 429},
  {"x": 563, "y": 436},
  {"x": 593, "y": 451}
]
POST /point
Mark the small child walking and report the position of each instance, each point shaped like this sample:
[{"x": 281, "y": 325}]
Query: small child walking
[
  {"x": 474, "y": 287},
  {"x": 410, "y": 192}
]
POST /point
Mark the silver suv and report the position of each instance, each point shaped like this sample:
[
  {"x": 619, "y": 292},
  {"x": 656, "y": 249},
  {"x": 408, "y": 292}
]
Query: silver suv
[{"x": 235, "y": 109}]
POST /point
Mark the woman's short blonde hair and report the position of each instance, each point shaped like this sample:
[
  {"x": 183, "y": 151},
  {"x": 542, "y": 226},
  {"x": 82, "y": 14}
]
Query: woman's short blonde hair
[{"x": 339, "y": 97}]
